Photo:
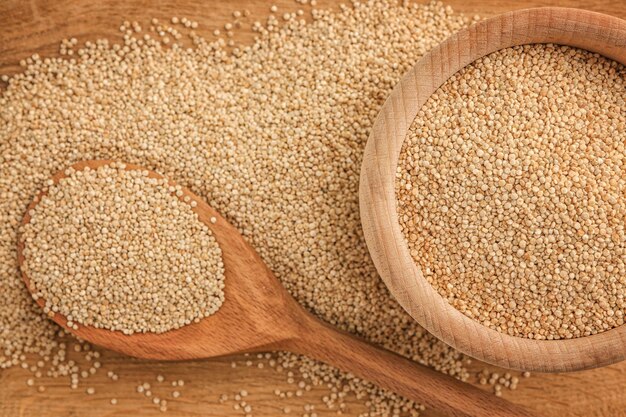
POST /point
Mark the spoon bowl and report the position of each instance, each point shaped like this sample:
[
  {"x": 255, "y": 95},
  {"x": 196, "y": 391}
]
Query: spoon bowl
[
  {"x": 247, "y": 279},
  {"x": 258, "y": 315}
]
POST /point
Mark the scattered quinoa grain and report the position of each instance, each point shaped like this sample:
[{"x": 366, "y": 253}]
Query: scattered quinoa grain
[{"x": 279, "y": 159}]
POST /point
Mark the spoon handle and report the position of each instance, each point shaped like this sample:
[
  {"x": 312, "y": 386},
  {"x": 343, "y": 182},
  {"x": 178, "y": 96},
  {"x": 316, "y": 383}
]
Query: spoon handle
[{"x": 398, "y": 374}]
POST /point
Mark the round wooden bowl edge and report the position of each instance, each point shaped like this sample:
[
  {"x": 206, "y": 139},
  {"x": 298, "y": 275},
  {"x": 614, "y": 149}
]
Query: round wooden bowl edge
[{"x": 592, "y": 31}]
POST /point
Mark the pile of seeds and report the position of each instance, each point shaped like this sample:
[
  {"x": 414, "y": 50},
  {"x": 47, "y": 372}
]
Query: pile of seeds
[
  {"x": 271, "y": 137},
  {"x": 511, "y": 191},
  {"x": 114, "y": 248}
]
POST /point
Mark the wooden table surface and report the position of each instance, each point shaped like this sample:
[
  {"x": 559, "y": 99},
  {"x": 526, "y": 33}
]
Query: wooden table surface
[{"x": 37, "y": 26}]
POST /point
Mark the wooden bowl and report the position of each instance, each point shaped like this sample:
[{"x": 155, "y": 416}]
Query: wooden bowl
[{"x": 595, "y": 32}]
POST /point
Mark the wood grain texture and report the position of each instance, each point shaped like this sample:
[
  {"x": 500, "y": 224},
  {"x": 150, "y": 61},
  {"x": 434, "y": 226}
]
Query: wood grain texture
[
  {"x": 592, "y": 31},
  {"x": 259, "y": 315},
  {"x": 36, "y": 26}
]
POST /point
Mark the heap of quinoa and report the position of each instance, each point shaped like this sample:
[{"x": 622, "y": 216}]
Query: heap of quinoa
[
  {"x": 118, "y": 249},
  {"x": 511, "y": 191},
  {"x": 271, "y": 136}
]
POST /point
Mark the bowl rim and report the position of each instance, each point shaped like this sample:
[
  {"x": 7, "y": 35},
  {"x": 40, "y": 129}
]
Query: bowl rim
[{"x": 583, "y": 29}]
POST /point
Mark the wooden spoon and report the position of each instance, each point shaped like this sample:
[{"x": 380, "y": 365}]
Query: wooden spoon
[{"x": 259, "y": 315}]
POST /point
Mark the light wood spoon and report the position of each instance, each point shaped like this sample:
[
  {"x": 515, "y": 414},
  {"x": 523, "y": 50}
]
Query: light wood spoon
[{"x": 259, "y": 315}]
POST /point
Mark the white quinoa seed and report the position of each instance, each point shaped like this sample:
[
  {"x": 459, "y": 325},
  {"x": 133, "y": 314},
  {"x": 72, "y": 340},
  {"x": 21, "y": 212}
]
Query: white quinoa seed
[{"x": 511, "y": 191}]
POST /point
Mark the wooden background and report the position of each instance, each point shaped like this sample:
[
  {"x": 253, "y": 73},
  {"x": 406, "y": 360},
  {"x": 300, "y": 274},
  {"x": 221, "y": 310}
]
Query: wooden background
[{"x": 37, "y": 26}]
